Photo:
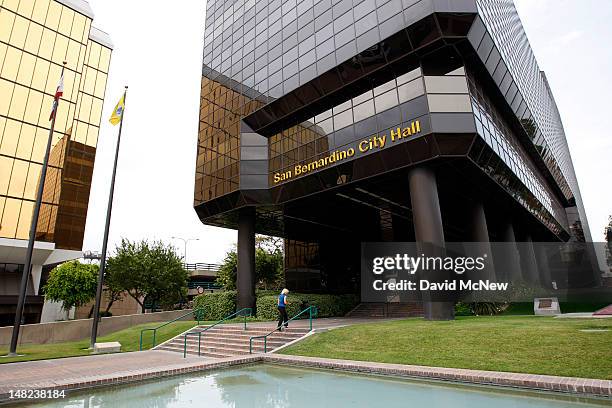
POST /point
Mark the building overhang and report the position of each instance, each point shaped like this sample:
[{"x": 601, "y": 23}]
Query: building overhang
[
  {"x": 80, "y": 6},
  {"x": 14, "y": 251}
]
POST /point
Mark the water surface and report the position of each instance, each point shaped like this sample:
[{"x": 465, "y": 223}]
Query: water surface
[{"x": 282, "y": 386}]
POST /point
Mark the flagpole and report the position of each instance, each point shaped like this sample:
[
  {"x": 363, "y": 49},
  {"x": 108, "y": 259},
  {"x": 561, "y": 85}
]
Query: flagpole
[
  {"x": 33, "y": 225},
  {"x": 96, "y": 316}
]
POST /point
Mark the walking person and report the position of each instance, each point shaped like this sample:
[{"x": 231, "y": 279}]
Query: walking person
[{"x": 283, "y": 319}]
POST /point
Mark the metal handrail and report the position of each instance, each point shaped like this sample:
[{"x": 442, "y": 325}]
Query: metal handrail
[
  {"x": 201, "y": 266},
  {"x": 312, "y": 311},
  {"x": 199, "y": 333},
  {"x": 195, "y": 312}
]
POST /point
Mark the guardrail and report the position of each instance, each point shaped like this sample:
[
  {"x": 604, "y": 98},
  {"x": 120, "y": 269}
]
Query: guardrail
[
  {"x": 199, "y": 333},
  {"x": 204, "y": 285},
  {"x": 201, "y": 266},
  {"x": 197, "y": 313},
  {"x": 312, "y": 312}
]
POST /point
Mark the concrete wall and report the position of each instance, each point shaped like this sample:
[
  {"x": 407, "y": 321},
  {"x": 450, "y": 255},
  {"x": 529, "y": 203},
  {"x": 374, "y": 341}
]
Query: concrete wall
[
  {"x": 127, "y": 305},
  {"x": 56, "y": 332}
]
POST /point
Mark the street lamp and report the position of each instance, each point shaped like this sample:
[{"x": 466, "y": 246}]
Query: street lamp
[{"x": 185, "y": 241}]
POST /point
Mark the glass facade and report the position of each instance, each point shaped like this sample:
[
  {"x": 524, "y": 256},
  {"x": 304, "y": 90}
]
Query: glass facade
[
  {"x": 222, "y": 104},
  {"x": 507, "y": 157},
  {"x": 502, "y": 44},
  {"x": 286, "y": 84},
  {"x": 35, "y": 38},
  {"x": 395, "y": 103}
]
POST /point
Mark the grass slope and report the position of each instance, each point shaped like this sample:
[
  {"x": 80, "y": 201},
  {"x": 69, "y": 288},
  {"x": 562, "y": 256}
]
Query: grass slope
[{"x": 526, "y": 344}]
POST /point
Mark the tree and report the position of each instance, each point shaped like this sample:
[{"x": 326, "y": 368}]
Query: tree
[
  {"x": 268, "y": 269},
  {"x": 114, "y": 290},
  {"x": 148, "y": 270},
  {"x": 270, "y": 244},
  {"x": 268, "y": 265},
  {"x": 226, "y": 276},
  {"x": 72, "y": 283}
]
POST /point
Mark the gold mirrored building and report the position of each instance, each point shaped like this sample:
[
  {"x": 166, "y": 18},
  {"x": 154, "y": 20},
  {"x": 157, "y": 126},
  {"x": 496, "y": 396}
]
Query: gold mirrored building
[{"x": 36, "y": 36}]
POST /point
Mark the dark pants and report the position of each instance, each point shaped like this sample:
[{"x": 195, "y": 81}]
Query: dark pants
[{"x": 282, "y": 317}]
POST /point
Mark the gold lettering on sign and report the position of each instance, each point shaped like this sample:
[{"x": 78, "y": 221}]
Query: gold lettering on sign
[{"x": 366, "y": 145}]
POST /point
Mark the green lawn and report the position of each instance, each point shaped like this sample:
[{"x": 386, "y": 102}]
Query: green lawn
[
  {"x": 129, "y": 339},
  {"x": 528, "y": 344}
]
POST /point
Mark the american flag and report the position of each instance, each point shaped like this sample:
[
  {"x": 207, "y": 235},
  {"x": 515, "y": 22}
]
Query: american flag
[{"x": 58, "y": 94}]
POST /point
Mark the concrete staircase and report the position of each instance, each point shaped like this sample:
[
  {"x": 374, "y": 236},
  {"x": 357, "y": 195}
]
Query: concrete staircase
[
  {"x": 380, "y": 310},
  {"x": 231, "y": 340},
  {"x": 606, "y": 311}
]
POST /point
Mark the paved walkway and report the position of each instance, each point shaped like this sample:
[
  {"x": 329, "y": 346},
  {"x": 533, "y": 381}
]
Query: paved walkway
[{"x": 48, "y": 373}]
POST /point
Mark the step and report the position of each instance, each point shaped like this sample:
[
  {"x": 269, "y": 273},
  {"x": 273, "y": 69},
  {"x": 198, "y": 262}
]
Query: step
[
  {"x": 377, "y": 310},
  {"x": 254, "y": 331},
  {"x": 190, "y": 352},
  {"x": 246, "y": 335},
  {"x": 220, "y": 350},
  {"x": 233, "y": 346},
  {"x": 230, "y": 342},
  {"x": 606, "y": 311}
]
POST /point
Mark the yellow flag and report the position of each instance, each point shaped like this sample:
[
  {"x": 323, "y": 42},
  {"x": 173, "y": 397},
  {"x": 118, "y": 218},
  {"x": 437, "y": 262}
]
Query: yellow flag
[{"x": 115, "y": 118}]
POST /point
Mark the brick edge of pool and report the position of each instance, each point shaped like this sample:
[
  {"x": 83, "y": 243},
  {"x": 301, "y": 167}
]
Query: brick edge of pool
[{"x": 571, "y": 385}]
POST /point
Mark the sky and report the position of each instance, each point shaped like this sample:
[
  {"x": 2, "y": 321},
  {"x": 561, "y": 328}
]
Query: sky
[{"x": 158, "y": 54}]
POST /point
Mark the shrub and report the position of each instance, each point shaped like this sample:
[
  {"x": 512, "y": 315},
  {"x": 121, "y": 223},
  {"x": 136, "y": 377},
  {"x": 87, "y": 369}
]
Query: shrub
[
  {"x": 463, "y": 309},
  {"x": 216, "y": 305},
  {"x": 327, "y": 305},
  {"x": 72, "y": 283},
  {"x": 488, "y": 308}
]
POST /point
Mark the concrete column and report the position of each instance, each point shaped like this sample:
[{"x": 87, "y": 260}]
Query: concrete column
[
  {"x": 509, "y": 261},
  {"x": 528, "y": 260},
  {"x": 427, "y": 219},
  {"x": 543, "y": 266},
  {"x": 479, "y": 233},
  {"x": 245, "y": 276},
  {"x": 36, "y": 274}
]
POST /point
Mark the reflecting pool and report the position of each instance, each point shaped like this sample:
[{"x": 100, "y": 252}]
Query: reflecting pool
[{"x": 283, "y": 386}]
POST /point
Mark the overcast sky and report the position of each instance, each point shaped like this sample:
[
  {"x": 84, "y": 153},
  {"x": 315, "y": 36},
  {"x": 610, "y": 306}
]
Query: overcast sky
[{"x": 158, "y": 53}]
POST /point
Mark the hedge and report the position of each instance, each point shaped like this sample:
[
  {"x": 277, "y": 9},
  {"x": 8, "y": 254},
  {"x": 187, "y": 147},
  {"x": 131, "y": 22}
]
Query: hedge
[
  {"x": 221, "y": 304},
  {"x": 327, "y": 305},
  {"x": 216, "y": 305}
]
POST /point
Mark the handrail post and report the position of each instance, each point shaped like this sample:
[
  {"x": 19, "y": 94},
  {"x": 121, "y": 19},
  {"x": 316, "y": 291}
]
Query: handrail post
[
  {"x": 265, "y": 344},
  {"x": 199, "y": 343},
  {"x": 185, "y": 346},
  {"x": 310, "y": 313},
  {"x": 140, "y": 348},
  {"x": 251, "y": 345},
  {"x": 154, "y": 337}
]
